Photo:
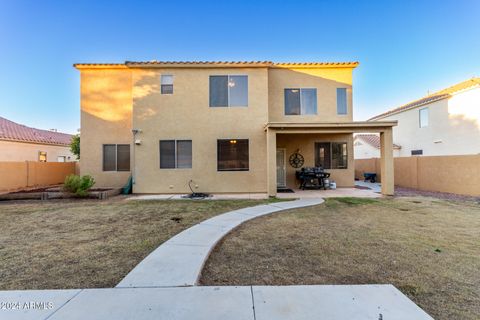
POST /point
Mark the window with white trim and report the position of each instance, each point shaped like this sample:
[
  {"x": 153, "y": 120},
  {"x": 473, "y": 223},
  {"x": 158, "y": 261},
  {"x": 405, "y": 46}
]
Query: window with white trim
[
  {"x": 175, "y": 154},
  {"x": 166, "y": 81},
  {"x": 423, "y": 117}
]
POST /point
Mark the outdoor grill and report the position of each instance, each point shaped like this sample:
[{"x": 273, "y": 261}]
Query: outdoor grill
[{"x": 313, "y": 177}]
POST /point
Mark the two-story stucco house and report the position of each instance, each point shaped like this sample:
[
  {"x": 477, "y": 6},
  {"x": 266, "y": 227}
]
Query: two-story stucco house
[
  {"x": 228, "y": 126},
  {"x": 446, "y": 122}
]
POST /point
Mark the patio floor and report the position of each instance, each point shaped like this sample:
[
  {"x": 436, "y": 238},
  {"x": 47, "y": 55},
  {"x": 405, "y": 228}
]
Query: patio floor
[{"x": 362, "y": 190}]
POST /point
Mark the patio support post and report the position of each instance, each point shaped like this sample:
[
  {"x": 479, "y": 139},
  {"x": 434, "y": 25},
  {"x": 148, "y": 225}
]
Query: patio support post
[
  {"x": 386, "y": 162},
  {"x": 271, "y": 163}
]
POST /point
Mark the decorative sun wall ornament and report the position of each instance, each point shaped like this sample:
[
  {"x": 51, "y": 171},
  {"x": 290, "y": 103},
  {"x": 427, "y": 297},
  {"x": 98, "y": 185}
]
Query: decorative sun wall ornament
[{"x": 296, "y": 160}]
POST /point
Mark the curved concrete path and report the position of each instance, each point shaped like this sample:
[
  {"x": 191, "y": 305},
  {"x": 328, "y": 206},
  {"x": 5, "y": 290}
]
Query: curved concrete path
[{"x": 179, "y": 261}]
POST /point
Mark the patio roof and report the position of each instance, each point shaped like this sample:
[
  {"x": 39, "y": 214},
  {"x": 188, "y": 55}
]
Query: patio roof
[{"x": 330, "y": 127}]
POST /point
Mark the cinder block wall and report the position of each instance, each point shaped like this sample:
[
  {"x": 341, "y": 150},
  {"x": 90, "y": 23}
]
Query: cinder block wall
[
  {"x": 452, "y": 174},
  {"x": 27, "y": 174}
]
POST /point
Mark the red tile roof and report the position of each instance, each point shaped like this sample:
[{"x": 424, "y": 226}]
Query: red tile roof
[
  {"x": 373, "y": 140},
  {"x": 440, "y": 95},
  {"x": 13, "y": 131}
]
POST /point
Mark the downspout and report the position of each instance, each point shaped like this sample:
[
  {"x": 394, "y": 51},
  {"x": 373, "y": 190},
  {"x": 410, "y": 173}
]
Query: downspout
[{"x": 134, "y": 132}]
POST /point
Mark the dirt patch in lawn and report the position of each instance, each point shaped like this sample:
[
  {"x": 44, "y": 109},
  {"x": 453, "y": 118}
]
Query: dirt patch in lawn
[
  {"x": 409, "y": 192},
  {"x": 428, "y": 248},
  {"x": 90, "y": 243}
]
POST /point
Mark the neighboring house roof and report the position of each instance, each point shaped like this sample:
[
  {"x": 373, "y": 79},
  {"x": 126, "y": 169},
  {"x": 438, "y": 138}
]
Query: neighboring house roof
[
  {"x": 13, "y": 131},
  {"x": 373, "y": 140},
  {"x": 155, "y": 63},
  {"x": 440, "y": 95}
]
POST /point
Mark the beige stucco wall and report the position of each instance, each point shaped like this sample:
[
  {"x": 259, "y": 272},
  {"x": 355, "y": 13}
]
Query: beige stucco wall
[
  {"x": 19, "y": 151},
  {"x": 326, "y": 81},
  {"x": 305, "y": 143},
  {"x": 454, "y": 127},
  {"x": 186, "y": 115},
  {"x": 106, "y": 118},
  {"x": 116, "y": 100}
]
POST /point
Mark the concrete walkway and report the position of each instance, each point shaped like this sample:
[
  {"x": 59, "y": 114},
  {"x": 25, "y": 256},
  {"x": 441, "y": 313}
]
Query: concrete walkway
[
  {"x": 360, "y": 302},
  {"x": 179, "y": 261},
  {"x": 374, "y": 186},
  {"x": 162, "y": 286}
]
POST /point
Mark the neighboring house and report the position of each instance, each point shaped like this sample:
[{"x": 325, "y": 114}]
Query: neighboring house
[
  {"x": 227, "y": 126},
  {"x": 22, "y": 143},
  {"x": 443, "y": 123},
  {"x": 367, "y": 146}
]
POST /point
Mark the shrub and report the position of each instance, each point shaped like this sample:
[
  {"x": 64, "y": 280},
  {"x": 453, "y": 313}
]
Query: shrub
[
  {"x": 75, "y": 146},
  {"x": 79, "y": 185}
]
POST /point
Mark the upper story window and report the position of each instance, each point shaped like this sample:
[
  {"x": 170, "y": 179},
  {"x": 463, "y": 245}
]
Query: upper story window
[
  {"x": 300, "y": 101},
  {"x": 232, "y": 155},
  {"x": 423, "y": 117},
  {"x": 116, "y": 157},
  {"x": 166, "y": 84},
  {"x": 175, "y": 154},
  {"x": 342, "y": 101},
  {"x": 228, "y": 91}
]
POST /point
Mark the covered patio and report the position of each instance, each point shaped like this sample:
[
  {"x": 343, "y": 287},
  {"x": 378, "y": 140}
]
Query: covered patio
[{"x": 292, "y": 146}]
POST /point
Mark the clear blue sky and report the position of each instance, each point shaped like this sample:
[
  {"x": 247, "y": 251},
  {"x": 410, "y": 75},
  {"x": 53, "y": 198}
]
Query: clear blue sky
[{"x": 405, "y": 47}]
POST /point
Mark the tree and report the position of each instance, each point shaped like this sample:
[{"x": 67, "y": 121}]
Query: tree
[{"x": 75, "y": 146}]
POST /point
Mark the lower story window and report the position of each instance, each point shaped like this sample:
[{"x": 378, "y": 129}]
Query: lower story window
[
  {"x": 116, "y": 157},
  {"x": 331, "y": 155},
  {"x": 175, "y": 154},
  {"x": 232, "y": 155}
]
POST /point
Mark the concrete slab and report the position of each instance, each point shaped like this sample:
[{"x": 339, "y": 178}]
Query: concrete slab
[
  {"x": 168, "y": 266},
  {"x": 209, "y": 303},
  {"x": 227, "y": 219},
  {"x": 219, "y": 196},
  {"x": 202, "y": 234},
  {"x": 259, "y": 210},
  {"x": 298, "y": 203},
  {"x": 339, "y": 192},
  {"x": 150, "y": 197},
  {"x": 329, "y": 302},
  {"x": 232, "y": 196},
  {"x": 33, "y": 304},
  {"x": 375, "y": 186}
]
